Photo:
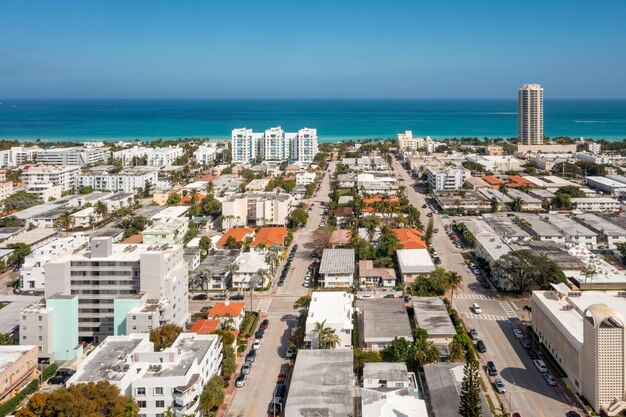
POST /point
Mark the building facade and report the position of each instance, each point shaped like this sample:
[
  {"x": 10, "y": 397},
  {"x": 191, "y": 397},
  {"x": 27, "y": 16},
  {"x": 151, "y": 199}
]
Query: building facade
[
  {"x": 256, "y": 209},
  {"x": 406, "y": 141},
  {"x": 127, "y": 180},
  {"x": 530, "y": 114},
  {"x": 447, "y": 179},
  {"x": 80, "y": 156},
  {"x": 63, "y": 176},
  {"x": 274, "y": 145},
  {"x": 205, "y": 154}
]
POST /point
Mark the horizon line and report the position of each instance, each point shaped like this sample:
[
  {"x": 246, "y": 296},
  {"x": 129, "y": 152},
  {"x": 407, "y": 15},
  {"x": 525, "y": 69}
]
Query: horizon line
[{"x": 300, "y": 98}]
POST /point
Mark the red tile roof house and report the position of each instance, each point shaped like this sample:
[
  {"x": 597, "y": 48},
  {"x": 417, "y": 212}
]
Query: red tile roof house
[
  {"x": 267, "y": 237},
  {"x": 205, "y": 326},
  {"x": 227, "y": 310},
  {"x": 410, "y": 238},
  {"x": 238, "y": 233}
]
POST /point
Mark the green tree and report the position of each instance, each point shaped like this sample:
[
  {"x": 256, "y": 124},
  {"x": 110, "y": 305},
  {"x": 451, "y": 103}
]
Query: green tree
[
  {"x": 66, "y": 220},
  {"x": 470, "y": 405},
  {"x": 429, "y": 230},
  {"x": 399, "y": 350},
  {"x": 524, "y": 271},
  {"x": 101, "y": 209},
  {"x": 388, "y": 242},
  {"x": 87, "y": 189},
  {"x": 6, "y": 339},
  {"x": 454, "y": 282},
  {"x": 94, "y": 399},
  {"x": 212, "y": 395},
  {"x": 302, "y": 302},
  {"x": 173, "y": 199},
  {"x": 205, "y": 244},
  {"x": 298, "y": 218},
  {"x": 165, "y": 335},
  {"x": 516, "y": 204},
  {"x": 20, "y": 251}
]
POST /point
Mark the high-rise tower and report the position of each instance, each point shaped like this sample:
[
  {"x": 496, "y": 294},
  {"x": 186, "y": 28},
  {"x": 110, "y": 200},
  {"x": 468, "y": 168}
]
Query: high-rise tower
[{"x": 530, "y": 114}]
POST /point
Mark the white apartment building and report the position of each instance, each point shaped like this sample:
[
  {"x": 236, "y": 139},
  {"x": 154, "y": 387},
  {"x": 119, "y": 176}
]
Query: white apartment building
[
  {"x": 32, "y": 272},
  {"x": 574, "y": 232},
  {"x": 127, "y": 180},
  {"x": 127, "y": 155},
  {"x": 17, "y": 155},
  {"x": 170, "y": 230},
  {"x": 305, "y": 178},
  {"x": 594, "y": 147},
  {"x": 256, "y": 209},
  {"x": 447, "y": 178},
  {"x": 80, "y": 156},
  {"x": 46, "y": 191},
  {"x": 407, "y": 141},
  {"x": 584, "y": 332},
  {"x": 6, "y": 189},
  {"x": 274, "y": 145},
  {"x": 335, "y": 310},
  {"x": 249, "y": 265},
  {"x": 163, "y": 157},
  {"x": 206, "y": 153},
  {"x": 64, "y": 176},
  {"x": 530, "y": 114},
  {"x": 496, "y": 163},
  {"x": 337, "y": 268},
  {"x": 121, "y": 288},
  {"x": 596, "y": 204},
  {"x": 157, "y": 380}
]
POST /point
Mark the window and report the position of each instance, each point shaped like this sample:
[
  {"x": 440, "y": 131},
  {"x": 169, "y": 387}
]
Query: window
[
  {"x": 142, "y": 404},
  {"x": 141, "y": 391},
  {"x": 158, "y": 390},
  {"x": 160, "y": 403}
]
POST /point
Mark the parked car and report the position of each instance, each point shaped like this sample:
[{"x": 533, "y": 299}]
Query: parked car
[
  {"x": 241, "y": 380},
  {"x": 200, "y": 297},
  {"x": 251, "y": 356},
  {"x": 476, "y": 308},
  {"x": 245, "y": 369},
  {"x": 220, "y": 296},
  {"x": 525, "y": 342},
  {"x": 281, "y": 282},
  {"x": 499, "y": 386},
  {"x": 205, "y": 309},
  {"x": 491, "y": 369},
  {"x": 257, "y": 344},
  {"x": 265, "y": 324},
  {"x": 289, "y": 353},
  {"x": 259, "y": 334},
  {"x": 61, "y": 376},
  {"x": 541, "y": 365},
  {"x": 238, "y": 296},
  {"x": 532, "y": 354},
  {"x": 474, "y": 334},
  {"x": 518, "y": 333},
  {"x": 549, "y": 379},
  {"x": 481, "y": 347}
]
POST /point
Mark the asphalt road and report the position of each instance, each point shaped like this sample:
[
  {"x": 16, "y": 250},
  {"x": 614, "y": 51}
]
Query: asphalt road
[
  {"x": 527, "y": 391},
  {"x": 252, "y": 400}
]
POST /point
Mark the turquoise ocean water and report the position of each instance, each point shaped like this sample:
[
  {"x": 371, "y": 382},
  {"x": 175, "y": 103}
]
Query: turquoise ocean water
[{"x": 334, "y": 119}]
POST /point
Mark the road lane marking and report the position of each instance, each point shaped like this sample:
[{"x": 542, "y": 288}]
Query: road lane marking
[
  {"x": 466, "y": 296},
  {"x": 508, "y": 309}
]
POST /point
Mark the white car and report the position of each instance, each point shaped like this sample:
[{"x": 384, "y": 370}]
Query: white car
[
  {"x": 289, "y": 353},
  {"x": 518, "y": 333},
  {"x": 549, "y": 379},
  {"x": 476, "y": 308},
  {"x": 257, "y": 344},
  {"x": 541, "y": 365}
]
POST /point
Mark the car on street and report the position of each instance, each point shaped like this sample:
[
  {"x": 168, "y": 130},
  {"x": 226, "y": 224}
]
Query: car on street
[
  {"x": 251, "y": 356},
  {"x": 436, "y": 230},
  {"x": 205, "y": 309},
  {"x": 484, "y": 283},
  {"x": 572, "y": 414},
  {"x": 491, "y": 369},
  {"x": 481, "y": 347},
  {"x": 518, "y": 333},
  {"x": 474, "y": 334},
  {"x": 499, "y": 386},
  {"x": 259, "y": 334},
  {"x": 200, "y": 297},
  {"x": 532, "y": 354},
  {"x": 257, "y": 344},
  {"x": 61, "y": 376},
  {"x": 541, "y": 365},
  {"x": 265, "y": 324},
  {"x": 221, "y": 296},
  {"x": 281, "y": 283},
  {"x": 241, "y": 380},
  {"x": 237, "y": 297},
  {"x": 475, "y": 271},
  {"x": 476, "y": 308},
  {"x": 525, "y": 342},
  {"x": 289, "y": 353},
  {"x": 549, "y": 379},
  {"x": 245, "y": 369},
  {"x": 305, "y": 284}
]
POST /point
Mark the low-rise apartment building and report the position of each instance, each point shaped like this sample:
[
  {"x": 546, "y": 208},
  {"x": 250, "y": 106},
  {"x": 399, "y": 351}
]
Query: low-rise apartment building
[
  {"x": 447, "y": 178},
  {"x": 609, "y": 232},
  {"x": 6, "y": 189},
  {"x": 156, "y": 380},
  {"x": 596, "y": 204},
  {"x": 334, "y": 309},
  {"x": 337, "y": 268},
  {"x": 205, "y": 154},
  {"x": 256, "y": 209},
  {"x": 305, "y": 178},
  {"x": 574, "y": 232},
  {"x": 64, "y": 176},
  {"x": 80, "y": 156},
  {"x": 250, "y": 263},
  {"x": 128, "y": 180},
  {"x": 169, "y": 231},
  {"x": 18, "y": 367},
  {"x": 413, "y": 263},
  {"x": 384, "y": 319}
]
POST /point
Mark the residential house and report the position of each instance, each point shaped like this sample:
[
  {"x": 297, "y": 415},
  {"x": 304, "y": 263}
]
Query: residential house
[
  {"x": 337, "y": 268},
  {"x": 384, "y": 319},
  {"x": 413, "y": 263}
]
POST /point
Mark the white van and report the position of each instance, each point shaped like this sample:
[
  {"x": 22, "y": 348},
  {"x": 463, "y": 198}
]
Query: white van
[{"x": 541, "y": 365}]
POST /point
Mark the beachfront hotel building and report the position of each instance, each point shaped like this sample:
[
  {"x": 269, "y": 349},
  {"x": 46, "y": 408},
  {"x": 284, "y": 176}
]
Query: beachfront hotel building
[
  {"x": 406, "y": 141},
  {"x": 107, "y": 289},
  {"x": 585, "y": 334},
  {"x": 77, "y": 155},
  {"x": 127, "y": 180},
  {"x": 530, "y": 114},
  {"x": 274, "y": 145},
  {"x": 205, "y": 154},
  {"x": 49, "y": 176}
]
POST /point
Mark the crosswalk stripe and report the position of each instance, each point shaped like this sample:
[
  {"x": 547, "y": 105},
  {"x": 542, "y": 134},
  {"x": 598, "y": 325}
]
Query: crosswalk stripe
[
  {"x": 508, "y": 309},
  {"x": 264, "y": 305},
  {"x": 474, "y": 297},
  {"x": 492, "y": 317}
]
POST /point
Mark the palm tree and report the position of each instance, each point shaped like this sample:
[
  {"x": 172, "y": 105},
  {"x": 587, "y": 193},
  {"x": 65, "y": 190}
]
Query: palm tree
[
  {"x": 589, "y": 272},
  {"x": 331, "y": 339},
  {"x": 66, "y": 220},
  {"x": 193, "y": 195},
  {"x": 210, "y": 188},
  {"x": 529, "y": 309},
  {"x": 454, "y": 282},
  {"x": 205, "y": 277},
  {"x": 263, "y": 273},
  {"x": 100, "y": 209},
  {"x": 516, "y": 204},
  {"x": 320, "y": 329}
]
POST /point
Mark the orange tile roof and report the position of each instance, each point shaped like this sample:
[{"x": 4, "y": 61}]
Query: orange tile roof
[
  {"x": 237, "y": 232},
  {"x": 491, "y": 180},
  {"x": 222, "y": 309},
  {"x": 410, "y": 238},
  {"x": 138, "y": 238},
  {"x": 519, "y": 181},
  {"x": 340, "y": 237},
  {"x": 208, "y": 178},
  {"x": 376, "y": 198},
  {"x": 187, "y": 199},
  {"x": 269, "y": 236},
  {"x": 205, "y": 326}
]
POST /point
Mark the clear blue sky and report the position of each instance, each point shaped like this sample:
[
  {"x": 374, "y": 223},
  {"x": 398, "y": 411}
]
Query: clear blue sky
[{"x": 302, "y": 49}]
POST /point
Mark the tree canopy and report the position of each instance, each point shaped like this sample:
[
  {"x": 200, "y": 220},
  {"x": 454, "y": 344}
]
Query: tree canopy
[
  {"x": 525, "y": 271},
  {"x": 95, "y": 399},
  {"x": 165, "y": 335}
]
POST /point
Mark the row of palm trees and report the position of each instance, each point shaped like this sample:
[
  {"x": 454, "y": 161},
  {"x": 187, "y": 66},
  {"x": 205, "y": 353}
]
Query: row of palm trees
[{"x": 66, "y": 220}]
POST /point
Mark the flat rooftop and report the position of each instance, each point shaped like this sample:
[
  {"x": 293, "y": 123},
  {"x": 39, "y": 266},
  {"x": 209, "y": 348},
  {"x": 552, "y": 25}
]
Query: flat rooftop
[
  {"x": 111, "y": 361},
  {"x": 322, "y": 384},
  {"x": 478, "y": 227},
  {"x": 10, "y": 354},
  {"x": 385, "y": 319},
  {"x": 490, "y": 193},
  {"x": 569, "y": 226},
  {"x": 528, "y": 199},
  {"x": 605, "y": 182},
  {"x": 389, "y": 371},
  {"x": 601, "y": 225},
  {"x": 505, "y": 226},
  {"x": 31, "y": 237},
  {"x": 553, "y": 251},
  {"x": 337, "y": 261},
  {"x": 414, "y": 261},
  {"x": 495, "y": 246},
  {"x": 431, "y": 315},
  {"x": 541, "y": 227}
]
